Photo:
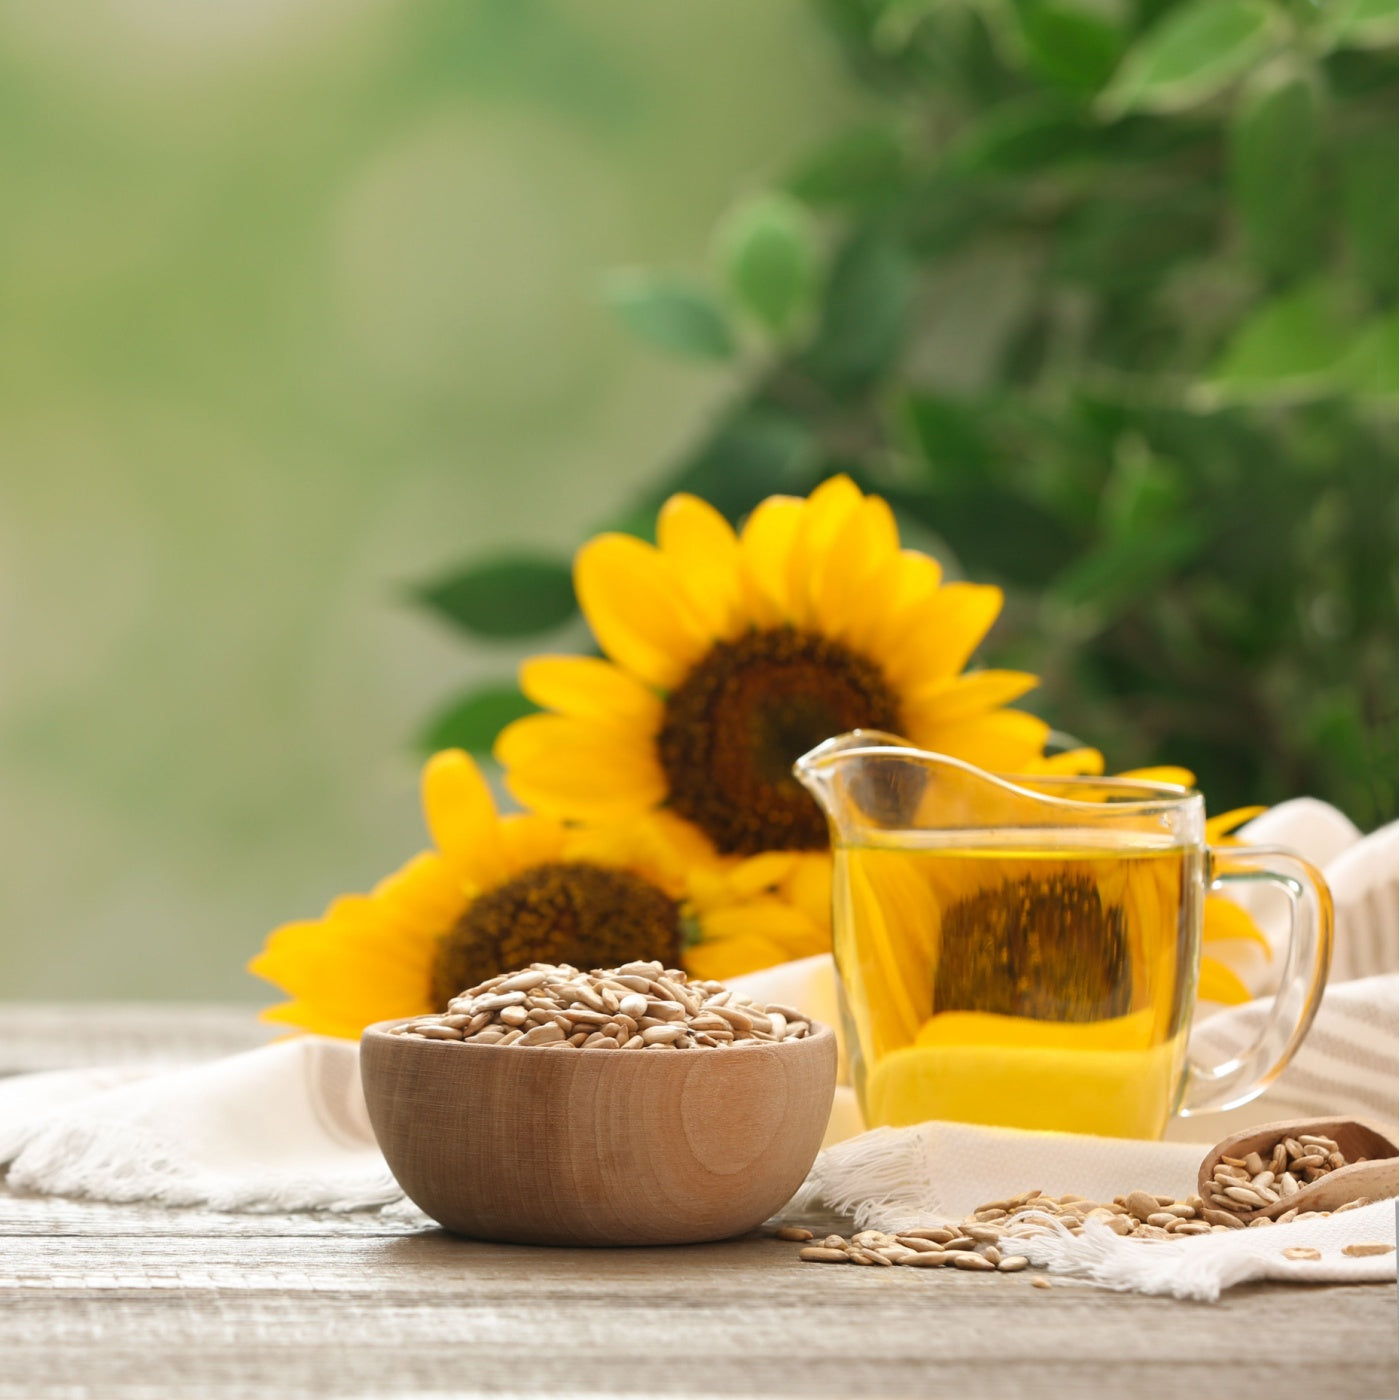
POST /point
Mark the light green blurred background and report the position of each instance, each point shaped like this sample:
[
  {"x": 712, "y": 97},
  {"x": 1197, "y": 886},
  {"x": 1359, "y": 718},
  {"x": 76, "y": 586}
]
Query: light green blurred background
[{"x": 298, "y": 305}]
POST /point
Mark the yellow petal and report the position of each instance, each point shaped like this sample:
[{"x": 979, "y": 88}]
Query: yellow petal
[
  {"x": 755, "y": 874},
  {"x": 765, "y": 544},
  {"x": 843, "y": 588},
  {"x": 349, "y": 966},
  {"x": 586, "y": 687},
  {"x": 1226, "y": 919},
  {"x": 461, "y": 814},
  {"x": 530, "y": 839},
  {"x": 577, "y": 771},
  {"x": 733, "y": 957},
  {"x": 638, "y": 611},
  {"x": 1218, "y": 828},
  {"x": 322, "y": 1020},
  {"x": 425, "y": 893},
  {"x": 658, "y": 846},
  {"x": 699, "y": 542},
  {"x": 1161, "y": 773},
  {"x": 771, "y": 919},
  {"x": 1218, "y": 983},
  {"x": 1004, "y": 741},
  {"x": 966, "y": 695},
  {"x": 1072, "y": 763},
  {"x": 905, "y": 582},
  {"x": 826, "y": 517},
  {"x": 809, "y": 888},
  {"x": 945, "y": 630}
]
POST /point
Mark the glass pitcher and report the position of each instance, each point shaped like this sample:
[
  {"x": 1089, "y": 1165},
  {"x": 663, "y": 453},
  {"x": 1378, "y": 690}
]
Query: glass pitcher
[{"x": 1024, "y": 951}]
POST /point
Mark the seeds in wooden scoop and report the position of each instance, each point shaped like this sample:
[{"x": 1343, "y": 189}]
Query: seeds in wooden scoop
[
  {"x": 1242, "y": 1185},
  {"x": 638, "y": 1006}
]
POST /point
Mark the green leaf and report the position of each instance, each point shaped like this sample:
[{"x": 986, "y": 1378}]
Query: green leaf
[
  {"x": 1369, "y": 199},
  {"x": 517, "y": 596},
  {"x": 896, "y": 21},
  {"x": 1017, "y": 137},
  {"x": 1110, "y": 579},
  {"x": 671, "y": 314},
  {"x": 992, "y": 531},
  {"x": 1067, "y": 45},
  {"x": 865, "y": 314},
  {"x": 473, "y": 721},
  {"x": 1361, "y": 23},
  {"x": 949, "y": 437},
  {"x": 1274, "y": 172},
  {"x": 1194, "y": 51},
  {"x": 858, "y": 166},
  {"x": 1117, "y": 245},
  {"x": 1371, "y": 367},
  {"x": 767, "y": 250},
  {"x": 1289, "y": 349}
]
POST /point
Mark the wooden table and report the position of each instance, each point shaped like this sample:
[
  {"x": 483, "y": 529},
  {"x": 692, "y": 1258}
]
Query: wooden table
[{"x": 125, "y": 1301}]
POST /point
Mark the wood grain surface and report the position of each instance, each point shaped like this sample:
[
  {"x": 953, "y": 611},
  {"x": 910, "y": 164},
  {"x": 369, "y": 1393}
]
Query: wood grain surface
[
  {"x": 141, "y": 1304},
  {"x": 541, "y": 1145}
]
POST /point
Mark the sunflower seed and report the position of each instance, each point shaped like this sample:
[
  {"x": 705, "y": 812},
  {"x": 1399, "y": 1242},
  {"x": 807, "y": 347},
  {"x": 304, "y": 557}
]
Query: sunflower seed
[
  {"x": 1363, "y": 1251},
  {"x": 1301, "y": 1251},
  {"x": 1013, "y": 1264},
  {"x": 918, "y": 1244},
  {"x": 934, "y": 1259},
  {"x": 820, "y": 1254},
  {"x": 792, "y": 1232},
  {"x": 662, "y": 1035},
  {"x": 974, "y": 1262},
  {"x": 1141, "y": 1204},
  {"x": 1246, "y": 1194}
]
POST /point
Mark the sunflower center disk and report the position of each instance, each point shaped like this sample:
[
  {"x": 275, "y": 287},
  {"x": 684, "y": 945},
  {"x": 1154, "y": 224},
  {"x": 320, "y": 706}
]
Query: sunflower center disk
[
  {"x": 564, "y": 912},
  {"x": 739, "y": 721}
]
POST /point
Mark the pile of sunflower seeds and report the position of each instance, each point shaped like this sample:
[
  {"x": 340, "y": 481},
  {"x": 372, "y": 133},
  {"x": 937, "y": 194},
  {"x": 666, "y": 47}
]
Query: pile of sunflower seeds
[
  {"x": 1245, "y": 1184},
  {"x": 638, "y": 1006},
  {"x": 986, "y": 1240}
]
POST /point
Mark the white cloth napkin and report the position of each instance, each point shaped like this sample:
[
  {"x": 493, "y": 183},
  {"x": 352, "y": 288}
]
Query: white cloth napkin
[
  {"x": 284, "y": 1127},
  {"x": 279, "y": 1128}
]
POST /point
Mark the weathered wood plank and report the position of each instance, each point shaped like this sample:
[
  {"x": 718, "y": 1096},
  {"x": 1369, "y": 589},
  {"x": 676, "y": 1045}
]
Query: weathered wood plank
[{"x": 430, "y": 1314}]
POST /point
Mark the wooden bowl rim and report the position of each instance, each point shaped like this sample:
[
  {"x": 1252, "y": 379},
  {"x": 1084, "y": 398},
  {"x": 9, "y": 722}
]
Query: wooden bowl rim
[{"x": 818, "y": 1031}]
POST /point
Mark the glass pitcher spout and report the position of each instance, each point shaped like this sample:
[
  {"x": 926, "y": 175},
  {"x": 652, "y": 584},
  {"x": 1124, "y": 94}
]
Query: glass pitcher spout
[{"x": 869, "y": 781}]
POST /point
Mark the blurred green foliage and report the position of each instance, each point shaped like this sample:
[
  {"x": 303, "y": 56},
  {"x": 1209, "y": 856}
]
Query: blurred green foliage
[{"x": 1102, "y": 298}]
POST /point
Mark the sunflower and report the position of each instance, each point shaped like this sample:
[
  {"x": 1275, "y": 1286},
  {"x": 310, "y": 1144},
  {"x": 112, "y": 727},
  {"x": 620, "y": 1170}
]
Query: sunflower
[
  {"x": 498, "y": 892},
  {"x": 727, "y": 656}
]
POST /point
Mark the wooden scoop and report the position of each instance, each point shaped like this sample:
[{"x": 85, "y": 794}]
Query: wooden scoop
[{"x": 1375, "y": 1179}]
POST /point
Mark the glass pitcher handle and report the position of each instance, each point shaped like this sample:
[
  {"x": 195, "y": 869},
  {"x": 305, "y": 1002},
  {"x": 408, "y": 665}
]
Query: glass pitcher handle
[{"x": 1211, "y": 1090}]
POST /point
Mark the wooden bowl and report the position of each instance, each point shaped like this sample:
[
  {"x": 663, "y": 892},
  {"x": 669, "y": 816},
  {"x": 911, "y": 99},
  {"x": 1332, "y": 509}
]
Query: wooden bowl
[{"x": 550, "y": 1145}]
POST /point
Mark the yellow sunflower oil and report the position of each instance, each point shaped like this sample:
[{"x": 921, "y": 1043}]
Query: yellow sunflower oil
[{"x": 1037, "y": 978}]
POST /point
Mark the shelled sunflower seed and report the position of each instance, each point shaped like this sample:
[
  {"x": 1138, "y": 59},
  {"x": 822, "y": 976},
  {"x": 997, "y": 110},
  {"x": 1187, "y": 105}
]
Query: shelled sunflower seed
[
  {"x": 1241, "y": 1185},
  {"x": 638, "y": 1006},
  {"x": 989, "y": 1235}
]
